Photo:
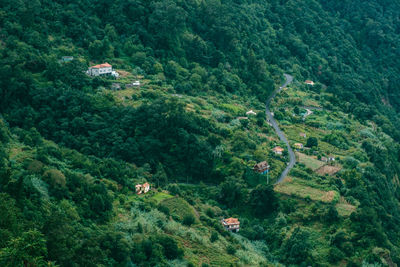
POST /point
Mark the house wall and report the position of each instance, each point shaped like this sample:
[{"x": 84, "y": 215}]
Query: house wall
[
  {"x": 105, "y": 70},
  {"x": 94, "y": 72},
  {"x": 100, "y": 71}
]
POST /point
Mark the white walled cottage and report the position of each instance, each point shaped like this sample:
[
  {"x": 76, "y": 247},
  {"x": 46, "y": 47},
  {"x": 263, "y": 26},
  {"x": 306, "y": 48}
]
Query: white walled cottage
[{"x": 101, "y": 69}]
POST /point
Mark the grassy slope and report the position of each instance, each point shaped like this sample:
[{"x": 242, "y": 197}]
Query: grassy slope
[{"x": 224, "y": 110}]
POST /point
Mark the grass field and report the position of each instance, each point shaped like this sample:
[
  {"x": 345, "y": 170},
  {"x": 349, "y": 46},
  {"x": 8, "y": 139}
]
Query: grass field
[
  {"x": 345, "y": 209},
  {"x": 178, "y": 206},
  {"x": 292, "y": 188},
  {"x": 327, "y": 169},
  {"x": 161, "y": 196},
  {"x": 309, "y": 161}
]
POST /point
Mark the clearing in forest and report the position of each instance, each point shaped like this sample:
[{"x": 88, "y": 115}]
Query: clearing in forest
[
  {"x": 328, "y": 169},
  {"x": 309, "y": 161},
  {"x": 292, "y": 188}
]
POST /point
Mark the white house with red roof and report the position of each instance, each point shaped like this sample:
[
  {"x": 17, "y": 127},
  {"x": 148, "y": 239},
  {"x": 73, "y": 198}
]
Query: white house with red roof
[
  {"x": 309, "y": 82},
  {"x": 142, "y": 188},
  {"x": 278, "y": 150},
  {"x": 231, "y": 224},
  {"x": 100, "y": 69}
]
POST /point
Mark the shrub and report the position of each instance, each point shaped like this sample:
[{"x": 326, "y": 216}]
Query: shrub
[
  {"x": 210, "y": 213},
  {"x": 55, "y": 177},
  {"x": 231, "y": 250},
  {"x": 164, "y": 209},
  {"x": 171, "y": 249},
  {"x": 214, "y": 237},
  {"x": 335, "y": 255},
  {"x": 188, "y": 219},
  {"x": 312, "y": 142},
  {"x": 35, "y": 166}
]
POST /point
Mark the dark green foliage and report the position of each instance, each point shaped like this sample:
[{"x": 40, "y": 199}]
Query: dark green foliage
[
  {"x": 231, "y": 249},
  {"x": 331, "y": 214},
  {"x": 188, "y": 219},
  {"x": 214, "y": 237},
  {"x": 297, "y": 248},
  {"x": 312, "y": 142},
  {"x": 27, "y": 250},
  {"x": 335, "y": 255},
  {"x": 263, "y": 200},
  {"x": 171, "y": 250},
  {"x": 231, "y": 192}
]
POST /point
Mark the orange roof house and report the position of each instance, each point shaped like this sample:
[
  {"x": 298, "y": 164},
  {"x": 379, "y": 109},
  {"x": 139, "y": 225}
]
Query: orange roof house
[
  {"x": 309, "y": 82},
  {"x": 142, "y": 188},
  {"x": 303, "y": 135},
  {"x": 298, "y": 145},
  {"x": 101, "y": 69},
  {"x": 278, "y": 150},
  {"x": 231, "y": 224}
]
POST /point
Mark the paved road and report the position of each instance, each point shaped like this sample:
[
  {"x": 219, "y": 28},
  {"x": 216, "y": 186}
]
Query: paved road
[{"x": 270, "y": 118}]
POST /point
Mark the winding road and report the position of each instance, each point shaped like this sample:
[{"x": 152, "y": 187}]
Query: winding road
[{"x": 270, "y": 118}]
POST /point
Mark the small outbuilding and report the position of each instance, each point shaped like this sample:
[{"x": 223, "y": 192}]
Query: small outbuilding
[
  {"x": 298, "y": 145},
  {"x": 278, "y": 150},
  {"x": 309, "y": 82},
  {"x": 67, "y": 58},
  {"x": 251, "y": 112}
]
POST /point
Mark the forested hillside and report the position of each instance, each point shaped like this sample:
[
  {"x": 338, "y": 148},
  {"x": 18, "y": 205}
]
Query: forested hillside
[{"x": 72, "y": 148}]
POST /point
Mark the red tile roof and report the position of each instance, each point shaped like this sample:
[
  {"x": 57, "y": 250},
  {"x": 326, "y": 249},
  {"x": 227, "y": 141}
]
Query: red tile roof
[
  {"x": 278, "y": 149},
  {"x": 232, "y": 221},
  {"x": 105, "y": 65}
]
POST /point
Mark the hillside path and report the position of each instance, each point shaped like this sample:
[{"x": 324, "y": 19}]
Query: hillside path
[{"x": 272, "y": 121}]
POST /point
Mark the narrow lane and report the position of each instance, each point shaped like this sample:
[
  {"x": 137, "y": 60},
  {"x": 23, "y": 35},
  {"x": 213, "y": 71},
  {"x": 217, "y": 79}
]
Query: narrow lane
[{"x": 270, "y": 118}]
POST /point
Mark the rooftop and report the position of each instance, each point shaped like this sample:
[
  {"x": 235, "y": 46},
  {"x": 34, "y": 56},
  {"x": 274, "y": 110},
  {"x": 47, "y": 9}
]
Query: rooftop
[
  {"x": 262, "y": 164},
  {"x": 231, "y": 221},
  {"x": 104, "y": 65}
]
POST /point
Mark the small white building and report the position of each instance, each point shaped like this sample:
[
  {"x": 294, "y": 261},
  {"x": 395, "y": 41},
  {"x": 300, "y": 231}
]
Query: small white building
[
  {"x": 115, "y": 74},
  {"x": 231, "y": 224},
  {"x": 278, "y": 150},
  {"x": 251, "y": 112},
  {"x": 309, "y": 82},
  {"x": 142, "y": 188},
  {"x": 133, "y": 84},
  {"x": 101, "y": 69}
]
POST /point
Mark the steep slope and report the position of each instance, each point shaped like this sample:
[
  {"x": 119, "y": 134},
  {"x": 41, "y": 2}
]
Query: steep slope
[{"x": 72, "y": 149}]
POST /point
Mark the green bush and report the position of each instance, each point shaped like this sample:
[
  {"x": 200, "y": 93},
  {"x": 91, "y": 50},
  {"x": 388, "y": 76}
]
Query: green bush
[
  {"x": 231, "y": 250},
  {"x": 188, "y": 219},
  {"x": 335, "y": 255},
  {"x": 214, "y": 237}
]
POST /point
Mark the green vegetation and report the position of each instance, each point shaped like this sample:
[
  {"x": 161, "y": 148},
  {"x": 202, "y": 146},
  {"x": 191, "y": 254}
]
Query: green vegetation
[{"x": 73, "y": 147}]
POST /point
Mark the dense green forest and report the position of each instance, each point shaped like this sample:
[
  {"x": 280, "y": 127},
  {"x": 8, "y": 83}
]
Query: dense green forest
[{"x": 72, "y": 150}]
